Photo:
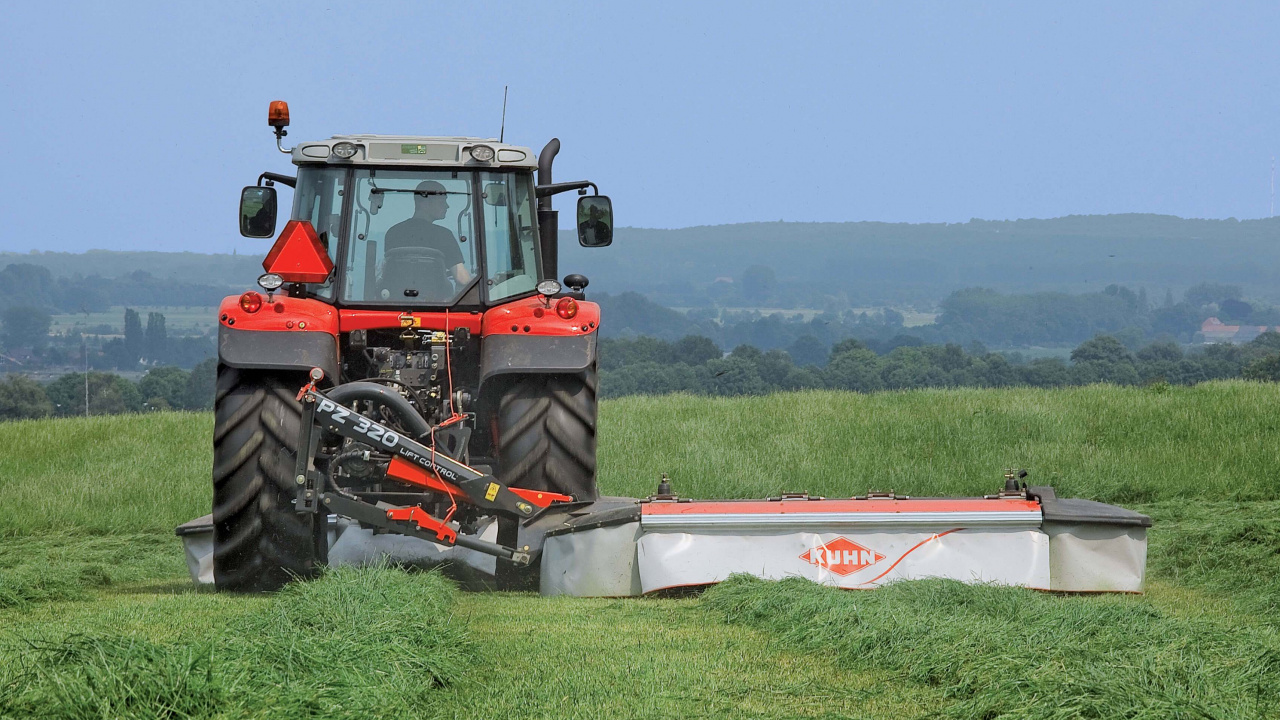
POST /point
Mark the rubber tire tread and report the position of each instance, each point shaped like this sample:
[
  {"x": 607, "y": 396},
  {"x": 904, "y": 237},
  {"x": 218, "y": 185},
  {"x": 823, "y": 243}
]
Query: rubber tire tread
[
  {"x": 259, "y": 542},
  {"x": 547, "y": 434}
]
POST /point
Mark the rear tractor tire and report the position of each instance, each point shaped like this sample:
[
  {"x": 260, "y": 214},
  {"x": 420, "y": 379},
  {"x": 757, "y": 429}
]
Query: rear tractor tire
[
  {"x": 259, "y": 542},
  {"x": 547, "y": 434}
]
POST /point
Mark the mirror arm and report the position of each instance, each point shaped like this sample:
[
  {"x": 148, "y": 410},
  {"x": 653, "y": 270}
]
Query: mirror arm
[
  {"x": 289, "y": 180},
  {"x": 557, "y": 188}
]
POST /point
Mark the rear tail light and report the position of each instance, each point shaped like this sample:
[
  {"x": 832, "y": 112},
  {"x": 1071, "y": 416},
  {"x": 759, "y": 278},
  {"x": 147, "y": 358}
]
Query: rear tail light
[
  {"x": 566, "y": 308},
  {"x": 251, "y": 302}
]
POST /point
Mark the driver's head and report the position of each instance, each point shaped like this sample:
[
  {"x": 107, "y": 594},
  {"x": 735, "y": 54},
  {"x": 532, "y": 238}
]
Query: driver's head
[
  {"x": 594, "y": 212},
  {"x": 432, "y": 207}
]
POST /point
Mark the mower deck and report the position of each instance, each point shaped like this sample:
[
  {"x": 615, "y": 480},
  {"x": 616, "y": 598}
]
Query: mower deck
[
  {"x": 1032, "y": 540},
  {"x": 620, "y": 547}
]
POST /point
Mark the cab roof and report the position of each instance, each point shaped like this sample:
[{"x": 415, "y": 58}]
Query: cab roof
[{"x": 414, "y": 150}]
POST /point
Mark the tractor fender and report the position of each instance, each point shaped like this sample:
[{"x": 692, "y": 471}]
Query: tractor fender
[
  {"x": 546, "y": 354},
  {"x": 285, "y": 334},
  {"x": 527, "y": 336},
  {"x": 267, "y": 350}
]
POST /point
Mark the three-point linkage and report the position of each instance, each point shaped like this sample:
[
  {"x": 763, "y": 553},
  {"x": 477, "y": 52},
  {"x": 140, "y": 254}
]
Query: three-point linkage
[{"x": 413, "y": 464}]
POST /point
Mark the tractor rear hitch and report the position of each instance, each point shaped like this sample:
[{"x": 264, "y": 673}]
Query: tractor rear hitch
[{"x": 413, "y": 464}]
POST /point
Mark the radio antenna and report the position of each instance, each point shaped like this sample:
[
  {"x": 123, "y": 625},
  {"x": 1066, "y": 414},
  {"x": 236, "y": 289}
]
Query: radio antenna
[{"x": 503, "y": 131}]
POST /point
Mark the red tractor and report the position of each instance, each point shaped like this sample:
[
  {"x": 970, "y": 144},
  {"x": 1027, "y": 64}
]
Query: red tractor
[{"x": 411, "y": 361}]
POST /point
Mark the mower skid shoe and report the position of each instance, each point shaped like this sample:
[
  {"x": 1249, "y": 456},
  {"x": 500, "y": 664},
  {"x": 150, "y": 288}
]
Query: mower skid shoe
[{"x": 513, "y": 575}]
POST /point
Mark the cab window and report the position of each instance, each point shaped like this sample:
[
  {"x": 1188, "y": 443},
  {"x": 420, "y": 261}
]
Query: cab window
[
  {"x": 411, "y": 238},
  {"x": 512, "y": 261},
  {"x": 318, "y": 200}
]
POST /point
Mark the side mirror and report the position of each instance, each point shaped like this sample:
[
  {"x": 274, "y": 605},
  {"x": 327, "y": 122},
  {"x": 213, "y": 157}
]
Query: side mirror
[
  {"x": 258, "y": 212},
  {"x": 595, "y": 221}
]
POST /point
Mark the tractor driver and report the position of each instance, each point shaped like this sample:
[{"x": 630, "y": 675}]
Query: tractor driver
[{"x": 421, "y": 230}]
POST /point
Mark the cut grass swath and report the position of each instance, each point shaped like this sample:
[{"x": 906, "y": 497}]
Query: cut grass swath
[
  {"x": 363, "y": 643},
  {"x": 1015, "y": 653},
  {"x": 68, "y": 566}
]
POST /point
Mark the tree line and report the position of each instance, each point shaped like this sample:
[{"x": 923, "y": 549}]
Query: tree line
[
  {"x": 162, "y": 388},
  {"x": 833, "y": 266},
  {"x": 139, "y": 346},
  {"x": 696, "y": 365},
  {"x": 649, "y": 366}
]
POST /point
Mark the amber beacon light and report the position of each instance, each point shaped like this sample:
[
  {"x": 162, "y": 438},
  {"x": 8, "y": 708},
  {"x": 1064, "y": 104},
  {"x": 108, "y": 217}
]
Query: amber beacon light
[{"x": 278, "y": 114}]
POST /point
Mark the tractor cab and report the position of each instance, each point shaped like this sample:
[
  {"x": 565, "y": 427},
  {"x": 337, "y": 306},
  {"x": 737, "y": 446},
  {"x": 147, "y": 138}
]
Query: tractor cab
[{"x": 417, "y": 223}]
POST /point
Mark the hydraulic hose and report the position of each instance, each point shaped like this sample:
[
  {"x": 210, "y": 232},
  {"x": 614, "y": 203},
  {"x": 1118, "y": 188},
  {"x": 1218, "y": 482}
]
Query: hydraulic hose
[
  {"x": 382, "y": 395},
  {"x": 336, "y": 463}
]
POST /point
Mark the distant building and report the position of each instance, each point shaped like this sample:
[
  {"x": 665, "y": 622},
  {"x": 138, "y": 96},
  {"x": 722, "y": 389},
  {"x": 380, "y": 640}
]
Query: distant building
[
  {"x": 17, "y": 358},
  {"x": 1215, "y": 331}
]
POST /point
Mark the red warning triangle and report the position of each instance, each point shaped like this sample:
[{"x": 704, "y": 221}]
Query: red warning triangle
[{"x": 298, "y": 255}]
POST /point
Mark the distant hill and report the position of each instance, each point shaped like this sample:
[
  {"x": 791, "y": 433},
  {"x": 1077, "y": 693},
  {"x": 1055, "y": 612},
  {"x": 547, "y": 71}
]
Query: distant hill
[
  {"x": 847, "y": 264},
  {"x": 209, "y": 269},
  {"x": 885, "y": 263}
]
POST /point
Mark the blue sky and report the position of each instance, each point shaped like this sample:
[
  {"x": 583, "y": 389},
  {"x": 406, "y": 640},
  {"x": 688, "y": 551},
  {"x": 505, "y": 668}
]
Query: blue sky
[{"x": 134, "y": 127}]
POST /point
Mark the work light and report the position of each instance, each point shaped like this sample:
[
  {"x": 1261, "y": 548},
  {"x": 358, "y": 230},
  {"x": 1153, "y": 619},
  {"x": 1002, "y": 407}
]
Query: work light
[{"x": 270, "y": 282}]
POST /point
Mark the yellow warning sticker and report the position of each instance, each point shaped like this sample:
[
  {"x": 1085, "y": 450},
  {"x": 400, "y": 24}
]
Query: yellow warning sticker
[{"x": 491, "y": 492}]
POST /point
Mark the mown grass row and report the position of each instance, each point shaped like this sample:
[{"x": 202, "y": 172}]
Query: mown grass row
[
  {"x": 354, "y": 644},
  {"x": 1221, "y": 549},
  {"x": 1013, "y": 653},
  {"x": 1215, "y": 441},
  {"x": 71, "y": 566}
]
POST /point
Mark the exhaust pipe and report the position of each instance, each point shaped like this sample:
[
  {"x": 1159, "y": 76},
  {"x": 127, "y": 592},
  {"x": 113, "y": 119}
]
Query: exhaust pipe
[
  {"x": 548, "y": 230},
  {"x": 545, "y": 159}
]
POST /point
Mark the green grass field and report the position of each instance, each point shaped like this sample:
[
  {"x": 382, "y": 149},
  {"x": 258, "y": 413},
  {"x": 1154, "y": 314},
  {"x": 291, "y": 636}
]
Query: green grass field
[
  {"x": 178, "y": 320},
  {"x": 98, "y": 618}
]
